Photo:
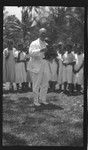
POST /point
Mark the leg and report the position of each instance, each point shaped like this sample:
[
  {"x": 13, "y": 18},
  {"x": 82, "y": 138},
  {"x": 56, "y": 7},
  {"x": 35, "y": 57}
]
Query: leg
[
  {"x": 69, "y": 78},
  {"x": 17, "y": 84},
  {"x": 44, "y": 89},
  {"x": 64, "y": 78},
  {"x": 44, "y": 84},
  {"x": 35, "y": 89}
]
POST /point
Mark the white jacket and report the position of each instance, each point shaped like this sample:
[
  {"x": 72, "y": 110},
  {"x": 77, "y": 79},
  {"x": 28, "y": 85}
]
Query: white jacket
[{"x": 36, "y": 59}]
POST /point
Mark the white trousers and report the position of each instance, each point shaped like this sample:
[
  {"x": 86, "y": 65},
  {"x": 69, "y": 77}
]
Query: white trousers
[{"x": 40, "y": 82}]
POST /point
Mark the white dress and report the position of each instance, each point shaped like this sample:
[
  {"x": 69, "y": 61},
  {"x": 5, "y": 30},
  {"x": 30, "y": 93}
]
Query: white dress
[
  {"x": 20, "y": 70},
  {"x": 64, "y": 74},
  {"x": 53, "y": 68},
  {"x": 68, "y": 70},
  {"x": 4, "y": 70},
  {"x": 10, "y": 67},
  {"x": 60, "y": 77}
]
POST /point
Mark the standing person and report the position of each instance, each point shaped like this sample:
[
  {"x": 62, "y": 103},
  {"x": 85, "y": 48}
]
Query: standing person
[
  {"x": 20, "y": 68},
  {"x": 50, "y": 56},
  {"x": 74, "y": 73},
  {"x": 18, "y": 85},
  {"x": 64, "y": 74},
  {"x": 39, "y": 69},
  {"x": 5, "y": 53},
  {"x": 60, "y": 53},
  {"x": 69, "y": 62},
  {"x": 29, "y": 80},
  {"x": 10, "y": 65},
  {"x": 78, "y": 69}
]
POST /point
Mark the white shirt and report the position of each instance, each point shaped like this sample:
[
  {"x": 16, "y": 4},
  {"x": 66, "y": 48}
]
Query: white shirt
[{"x": 36, "y": 58}]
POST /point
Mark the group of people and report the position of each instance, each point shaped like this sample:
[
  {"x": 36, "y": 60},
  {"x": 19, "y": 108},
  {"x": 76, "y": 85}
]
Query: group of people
[{"x": 62, "y": 71}]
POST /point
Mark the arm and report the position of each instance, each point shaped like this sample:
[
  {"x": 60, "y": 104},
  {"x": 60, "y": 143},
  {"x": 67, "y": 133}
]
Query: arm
[
  {"x": 79, "y": 67},
  {"x": 34, "y": 50},
  {"x": 72, "y": 61}
]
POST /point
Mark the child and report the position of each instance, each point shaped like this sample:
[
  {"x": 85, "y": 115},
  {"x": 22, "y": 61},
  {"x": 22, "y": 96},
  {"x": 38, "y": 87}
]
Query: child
[
  {"x": 64, "y": 76},
  {"x": 4, "y": 65},
  {"x": 29, "y": 81},
  {"x": 10, "y": 65},
  {"x": 69, "y": 61},
  {"x": 50, "y": 55},
  {"x": 20, "y": 68},
  {"x": 59, "y": 57}
]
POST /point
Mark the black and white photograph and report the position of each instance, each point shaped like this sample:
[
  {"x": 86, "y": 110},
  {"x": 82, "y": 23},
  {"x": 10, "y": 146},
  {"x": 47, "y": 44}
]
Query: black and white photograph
[{"x": 43, "y": 76}]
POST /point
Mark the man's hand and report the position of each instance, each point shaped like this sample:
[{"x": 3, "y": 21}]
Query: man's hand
[{"x": 43, "y": 50}]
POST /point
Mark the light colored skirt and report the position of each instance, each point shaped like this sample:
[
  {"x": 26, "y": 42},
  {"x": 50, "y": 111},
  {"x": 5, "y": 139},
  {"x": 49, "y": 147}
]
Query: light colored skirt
[
  {"x": 10, "y": 70},
  {"x": 21, "y": 74},
  {"x": 78, "y": 77},
  {"x": 68, "y": 74},
  {"x": 60, "y": 74},
  {"x": 53, "y": 70},
  {"x": 4, "y": 70}
]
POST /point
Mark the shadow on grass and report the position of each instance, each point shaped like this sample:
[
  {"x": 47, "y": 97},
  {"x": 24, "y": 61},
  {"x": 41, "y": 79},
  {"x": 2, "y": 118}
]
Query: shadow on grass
[
  {"x": 13, "y": 140},
  {"x": 47, "y": 107}
]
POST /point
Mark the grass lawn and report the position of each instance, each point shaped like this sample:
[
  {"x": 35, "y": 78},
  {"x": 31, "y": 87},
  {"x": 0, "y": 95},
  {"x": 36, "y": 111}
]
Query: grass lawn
[{"x": 58, "y": 124}]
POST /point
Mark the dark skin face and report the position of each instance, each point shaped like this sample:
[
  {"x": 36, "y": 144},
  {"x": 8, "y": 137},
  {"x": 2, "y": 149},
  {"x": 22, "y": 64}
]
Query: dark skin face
[
  {"x": 10, "y": 47},
  {"x": 69, "y": 51},
  {"x": 42, "y": 36},
  {"x": 63, "y": 51},
  {"x": 79, "y": 52},
  {"x": 20, "y": 47}
]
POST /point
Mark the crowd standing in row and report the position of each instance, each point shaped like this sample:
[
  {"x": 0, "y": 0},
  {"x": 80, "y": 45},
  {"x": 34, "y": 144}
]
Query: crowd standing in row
[{"x": 61, "y": 71}]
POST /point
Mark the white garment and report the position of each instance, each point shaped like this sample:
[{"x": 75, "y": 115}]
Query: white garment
[
  {"x": 59, "y": 78},
  {"x": 64, "y": 74},
  {"x": 40, "y": 82},
  {"x": 78, "y": 77},
  {"x": 21, "y": 74},
  {"x": 68, "y": 70},
  {"x": 36, "y": 58},
  {"x": 53, "y": 68},
  {"x": 39, "y": 70}
]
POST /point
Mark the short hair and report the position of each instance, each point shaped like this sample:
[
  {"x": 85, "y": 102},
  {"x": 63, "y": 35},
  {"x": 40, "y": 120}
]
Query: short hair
[
  {"x": 10, "y": 43},
  {"x": 68, "y": 47},
  {"x": 20, "y": 46},
  {"x": 42, "y": 30}
]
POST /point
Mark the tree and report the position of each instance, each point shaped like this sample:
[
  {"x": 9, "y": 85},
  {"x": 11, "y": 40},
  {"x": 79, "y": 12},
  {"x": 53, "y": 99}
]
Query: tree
[
  {"x": 12, "y": 29},
  {"x": 62, "y": 23}
]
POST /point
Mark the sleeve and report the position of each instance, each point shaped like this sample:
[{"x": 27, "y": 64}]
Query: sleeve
[
  {"x": 14, "y": 52},
  {"x": 5, "y": 52},
  {"x": 59, "y": 57},
  {"x": 76, "y": 59},
  {"x": 34, "y": 50}
]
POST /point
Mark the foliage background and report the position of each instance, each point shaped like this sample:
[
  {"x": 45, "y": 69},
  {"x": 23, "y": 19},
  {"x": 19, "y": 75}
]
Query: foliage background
[{"x": 64, "y": 24}]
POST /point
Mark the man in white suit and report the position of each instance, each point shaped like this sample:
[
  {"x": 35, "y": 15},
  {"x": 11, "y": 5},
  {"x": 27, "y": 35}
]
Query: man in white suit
[
  {"x": 78, "y": 68},
  {"x": 39, "y": 69}
]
